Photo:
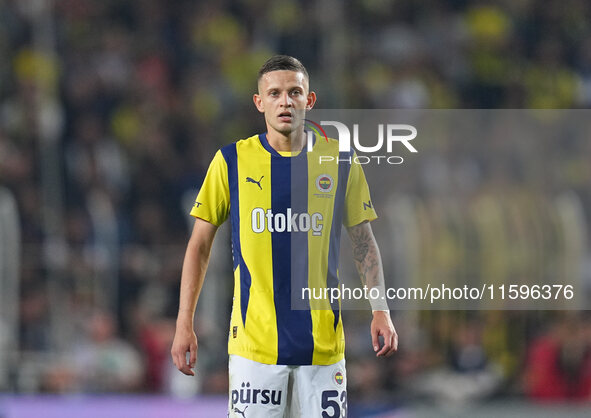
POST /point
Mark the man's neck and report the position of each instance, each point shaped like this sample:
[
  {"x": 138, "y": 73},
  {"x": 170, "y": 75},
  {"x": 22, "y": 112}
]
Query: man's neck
[{"x": 282, "y": 143}]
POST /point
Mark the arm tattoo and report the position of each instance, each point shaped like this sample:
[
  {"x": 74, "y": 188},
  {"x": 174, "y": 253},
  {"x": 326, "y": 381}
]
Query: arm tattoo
[
  {"x": 366, "y": 255},
  {"x": 361, "y": 240},
  {"x": 368, "y": 261}
]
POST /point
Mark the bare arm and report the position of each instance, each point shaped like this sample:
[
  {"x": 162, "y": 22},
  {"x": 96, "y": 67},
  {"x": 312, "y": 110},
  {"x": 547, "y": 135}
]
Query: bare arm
[
  {"x": 369, "y": 265},
  {"x": 367, "y": 257},
  {"x": 193, "y": 274}
]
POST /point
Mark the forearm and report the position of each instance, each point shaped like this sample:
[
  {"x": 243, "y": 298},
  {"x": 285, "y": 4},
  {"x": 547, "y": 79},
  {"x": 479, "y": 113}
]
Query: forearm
[
  {"x": 192, "y": 277},
  {"x": 194, "y": 268},
  {"x": 371, "y": 273},
  {"x": 368, "y": 262},
  {"x": 369, "y": 265}
]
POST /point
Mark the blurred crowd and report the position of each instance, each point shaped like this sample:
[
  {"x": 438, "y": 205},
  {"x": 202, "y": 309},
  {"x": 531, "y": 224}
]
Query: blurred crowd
[{"x": 111, "y": 110}]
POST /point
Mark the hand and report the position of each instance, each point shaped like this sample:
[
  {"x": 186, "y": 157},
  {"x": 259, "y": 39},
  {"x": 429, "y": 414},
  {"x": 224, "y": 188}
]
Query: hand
[
  {"x": 185, "y": 341},
  {"x": 381, "y": 324}
]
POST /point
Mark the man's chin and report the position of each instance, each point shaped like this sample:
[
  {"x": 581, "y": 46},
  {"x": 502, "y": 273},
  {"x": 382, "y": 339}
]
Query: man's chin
[
  {"x": 287, "y": 129},
  {"x": 294, "y": 126}
]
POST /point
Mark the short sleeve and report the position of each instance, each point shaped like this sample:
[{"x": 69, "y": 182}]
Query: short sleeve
[
  {"x": 358, "y": 204},
  {"x": 213, "y": 200}
]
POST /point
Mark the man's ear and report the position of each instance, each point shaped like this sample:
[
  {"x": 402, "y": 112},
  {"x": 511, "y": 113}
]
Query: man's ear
[
  {"x": 258, "y": 102},
  {"x": 311, "y": 100}
]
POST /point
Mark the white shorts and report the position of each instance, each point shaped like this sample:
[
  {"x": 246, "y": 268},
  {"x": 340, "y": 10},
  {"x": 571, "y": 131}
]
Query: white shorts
[{"x": 260, "y": 390}]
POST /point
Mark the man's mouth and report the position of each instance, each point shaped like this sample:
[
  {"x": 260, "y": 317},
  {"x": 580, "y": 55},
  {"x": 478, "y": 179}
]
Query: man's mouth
[{"x": 285, "y": 116}]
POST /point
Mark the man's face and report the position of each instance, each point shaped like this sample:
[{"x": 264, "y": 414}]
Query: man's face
[{"x": 283, "y": 97}]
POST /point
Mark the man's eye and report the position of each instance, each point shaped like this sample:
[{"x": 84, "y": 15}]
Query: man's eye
[{"x": 295, "y": 92}]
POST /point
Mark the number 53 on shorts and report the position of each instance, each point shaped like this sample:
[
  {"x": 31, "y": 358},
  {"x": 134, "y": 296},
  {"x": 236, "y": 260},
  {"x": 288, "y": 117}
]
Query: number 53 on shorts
[{"x": 334, "y": 404}]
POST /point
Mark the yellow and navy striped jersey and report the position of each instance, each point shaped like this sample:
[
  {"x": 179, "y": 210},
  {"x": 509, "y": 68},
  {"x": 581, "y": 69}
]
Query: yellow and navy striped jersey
[{"x": 286, "y": 213}]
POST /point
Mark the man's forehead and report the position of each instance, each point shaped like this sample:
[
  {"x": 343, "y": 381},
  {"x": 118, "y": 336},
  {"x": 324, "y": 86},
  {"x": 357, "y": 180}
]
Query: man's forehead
[{"x": 282, "y": 78}]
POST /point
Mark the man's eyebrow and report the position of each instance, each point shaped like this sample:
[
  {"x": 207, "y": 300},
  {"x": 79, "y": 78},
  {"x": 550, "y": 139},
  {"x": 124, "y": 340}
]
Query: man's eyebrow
[{"x": 287, "y": 88}]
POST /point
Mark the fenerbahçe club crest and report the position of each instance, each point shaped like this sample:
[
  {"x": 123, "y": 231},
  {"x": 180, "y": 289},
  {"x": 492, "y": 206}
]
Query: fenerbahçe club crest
[{"x": 324, "y": 183}]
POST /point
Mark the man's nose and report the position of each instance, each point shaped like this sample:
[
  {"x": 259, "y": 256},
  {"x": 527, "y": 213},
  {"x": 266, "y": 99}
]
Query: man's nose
[{"x": 286, "y": 100}]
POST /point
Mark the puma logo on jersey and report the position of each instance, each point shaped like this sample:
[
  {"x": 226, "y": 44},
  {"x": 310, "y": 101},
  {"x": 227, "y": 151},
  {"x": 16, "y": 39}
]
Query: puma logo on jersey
[
  {"x": 241, "y": 412},
  {"x": 258, "y": 183},
  {"x": 286, "y": 222}
]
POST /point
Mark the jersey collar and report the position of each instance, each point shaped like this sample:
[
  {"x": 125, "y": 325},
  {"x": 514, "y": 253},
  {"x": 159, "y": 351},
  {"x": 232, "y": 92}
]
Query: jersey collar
[{"x": 273, "y": 151}]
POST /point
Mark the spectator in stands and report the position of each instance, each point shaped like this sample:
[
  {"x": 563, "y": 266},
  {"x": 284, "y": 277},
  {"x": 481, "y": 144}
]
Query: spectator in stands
[
  {"x": 558, "y": 363},
  {"x": 104, "y": 362}
]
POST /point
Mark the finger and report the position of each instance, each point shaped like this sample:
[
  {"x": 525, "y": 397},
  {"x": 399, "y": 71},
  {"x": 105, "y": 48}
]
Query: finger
[
  {"x": 175, "y": 360},
  {"x": 185, "y": 366},
  {"x": 193, "y": 355},
  {"x": 385, "y": 349},
  {"x": 375, "y": 340},
  {"x": 172, "y": 356},
  {"x": 394, "y": 343},
  {"x": 387, "y": 344},
  {"x": 187, "y": 370},
  {"x": 181, "y": 360},
  {"x": 393, "y": 346}
]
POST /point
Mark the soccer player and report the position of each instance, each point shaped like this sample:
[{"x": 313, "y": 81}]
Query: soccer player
[{"x": 286, "y": 210}]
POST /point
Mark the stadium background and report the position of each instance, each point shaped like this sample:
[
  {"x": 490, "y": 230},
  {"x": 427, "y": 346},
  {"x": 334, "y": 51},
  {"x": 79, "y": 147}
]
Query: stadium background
[{"x": 109, "y": 114}]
